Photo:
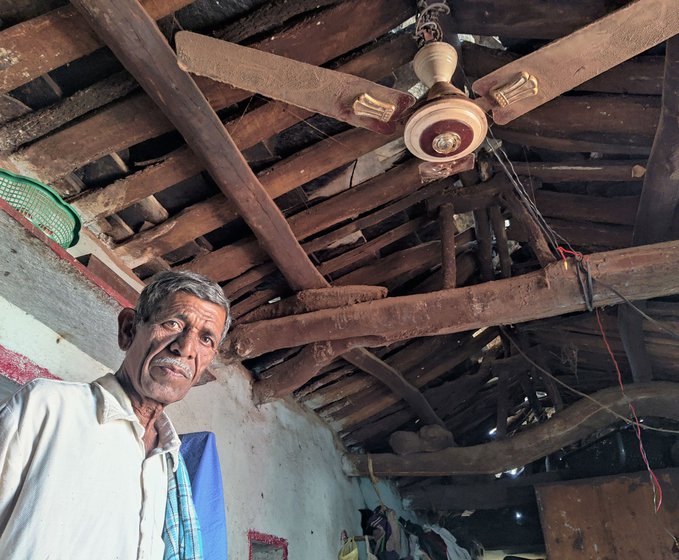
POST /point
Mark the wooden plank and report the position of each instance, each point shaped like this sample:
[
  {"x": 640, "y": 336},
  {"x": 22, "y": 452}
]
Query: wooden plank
[
  {"x": 638, "y": 273},
  {"x": 657, "y": 206},
  {"x": 370, "y": 248},
  {"x": 129, "y": 31},
  {"x": 578, "y": 421},
  {"x": 41, "y": 44},
  {"x": 539, "y": 19},
  {"x": 637, "y": 146},
  {"x": 39, "y": 123},
  {"x": 660, "y": 193},
  {"x": 619, "y": 210},
  {"x": 268, "y": 17},
  {"x": 579, "y": 171},
  {"x": 572, "y": 512},
  {"x": 136, "y": 118},
  {"x": 392, "y": 185},
  {"x": 632, "y": 115}
]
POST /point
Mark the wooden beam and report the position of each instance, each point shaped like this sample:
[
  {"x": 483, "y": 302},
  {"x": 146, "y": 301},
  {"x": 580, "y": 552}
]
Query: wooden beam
[
  {"x": 135, "y": 40},
  {"x": 495, "y": 494},
  {"x": 39, "y": 123},
  {"x": 484, "y": 252},
  {"x": 283, "y": 379},
  {"x": 136, "y": 118},
  {"x": 539, "y": 19},
  {"x": 536, "y": 236},
  {"x": 34, "y": 47},
  {"x": 395, "y": 381},
  {"x": 448, "y": 253},
  {"x": 501, "y": 244},
  {"x": 660, "y": 193},
  {"x": 583, "y": 208},
  {"x": 570, "y": 426},
  {"x": 657, "y": 206},
  {"x": 579, "y": 171},
  {"x": 313, "y": 300},
  {"x": 392, "y": 185},
  {"x": 620, "y": 114},
  {"x": 638, "y": 273}
]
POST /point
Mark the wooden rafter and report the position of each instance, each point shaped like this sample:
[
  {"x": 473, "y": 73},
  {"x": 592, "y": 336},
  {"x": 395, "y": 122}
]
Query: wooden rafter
[{"x": 638, "y": 273}]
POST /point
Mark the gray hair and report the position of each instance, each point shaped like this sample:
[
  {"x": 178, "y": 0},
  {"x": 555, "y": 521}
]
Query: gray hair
[{"x": 167, "y": 283}]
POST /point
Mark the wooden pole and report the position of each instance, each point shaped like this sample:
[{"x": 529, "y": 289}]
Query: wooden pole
[
  {"x": 657, "y": 206},
  {"x": 501, "y": 243},
  {"x": 573, "y": 424},
  {"x": 637, "y": 273},
  {"x": 448, "y": 255}
]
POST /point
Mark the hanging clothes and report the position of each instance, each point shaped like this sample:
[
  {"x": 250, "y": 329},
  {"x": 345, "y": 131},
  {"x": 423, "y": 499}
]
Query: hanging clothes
[{"x": 453, "y": 550}]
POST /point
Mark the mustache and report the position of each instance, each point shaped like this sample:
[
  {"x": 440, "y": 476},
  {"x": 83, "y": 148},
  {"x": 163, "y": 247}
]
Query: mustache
[{"x": 173, "y": 362}]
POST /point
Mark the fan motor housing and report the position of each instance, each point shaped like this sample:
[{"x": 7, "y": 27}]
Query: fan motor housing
[{"x": 446, "y": 129}]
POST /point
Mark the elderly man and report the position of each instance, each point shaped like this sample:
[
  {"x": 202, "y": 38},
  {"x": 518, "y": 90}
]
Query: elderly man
[{"x": 92, "y": 471}]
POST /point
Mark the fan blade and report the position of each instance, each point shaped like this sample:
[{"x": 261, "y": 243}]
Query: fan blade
[
  {"x": 576, "y": 58},
  {"x": 348, "y": 98}
]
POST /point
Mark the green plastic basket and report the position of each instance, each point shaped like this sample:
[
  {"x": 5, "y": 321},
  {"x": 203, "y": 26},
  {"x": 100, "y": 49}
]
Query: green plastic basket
[{"x": 42, "y": 206}]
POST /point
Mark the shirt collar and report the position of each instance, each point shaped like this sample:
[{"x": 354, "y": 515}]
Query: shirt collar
[{"x": 114, "y": 404}]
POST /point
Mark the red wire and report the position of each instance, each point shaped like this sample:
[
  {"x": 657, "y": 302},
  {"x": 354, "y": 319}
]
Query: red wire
[{"x": 657, "y": 489}]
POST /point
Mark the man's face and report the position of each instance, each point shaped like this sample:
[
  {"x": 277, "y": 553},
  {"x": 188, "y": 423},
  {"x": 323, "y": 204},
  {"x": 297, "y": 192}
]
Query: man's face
[{"x": 167, "y": 355}]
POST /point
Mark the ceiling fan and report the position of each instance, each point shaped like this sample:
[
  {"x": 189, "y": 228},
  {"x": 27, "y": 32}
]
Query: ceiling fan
[{"x": 448, "y": 126}]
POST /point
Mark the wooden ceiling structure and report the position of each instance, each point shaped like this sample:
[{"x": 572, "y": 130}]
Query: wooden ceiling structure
[{"x": 380, "y": 302}]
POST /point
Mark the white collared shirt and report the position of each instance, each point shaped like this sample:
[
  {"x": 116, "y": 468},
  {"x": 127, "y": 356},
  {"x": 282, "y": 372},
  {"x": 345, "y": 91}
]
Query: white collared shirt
[{"x": 75, "y": 482}]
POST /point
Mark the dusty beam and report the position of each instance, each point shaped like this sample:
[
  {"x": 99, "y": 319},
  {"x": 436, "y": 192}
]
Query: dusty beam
[
  {"x": 657, "y": 206},
  {"x": 36, "y": 46},
  {"x": 637, "y": 273},
  {"x": 573, "y": 424},
  {"x": 138, "y": 43}
]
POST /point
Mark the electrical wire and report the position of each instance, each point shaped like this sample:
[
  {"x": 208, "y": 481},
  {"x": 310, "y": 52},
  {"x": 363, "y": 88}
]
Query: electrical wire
[{"x": 655, "y": 483}]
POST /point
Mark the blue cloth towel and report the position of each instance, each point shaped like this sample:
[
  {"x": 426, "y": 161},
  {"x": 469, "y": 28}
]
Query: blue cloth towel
[{"x": 199, "y": 451}]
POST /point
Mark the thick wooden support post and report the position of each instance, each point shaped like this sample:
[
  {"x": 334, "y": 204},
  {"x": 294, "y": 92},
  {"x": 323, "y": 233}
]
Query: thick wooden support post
[
  {"x": 657, "y": 206},
  {"x": 138, "y": 43},
  {"x": 448, "y": 231},
  {"x": 637, "y": 273},
  {"x": 501, "y": 243},
  {"x": 660, "y": 193},
  {"x": 538, "y": 240},
  {"x": 485, "y": 243},
  {"x": 573, "y": 424}
]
